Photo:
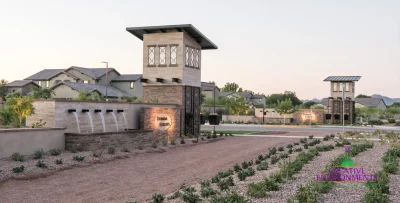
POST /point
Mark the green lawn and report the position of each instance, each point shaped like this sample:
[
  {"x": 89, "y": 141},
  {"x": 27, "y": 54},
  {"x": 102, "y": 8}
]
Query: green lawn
[{"x": 227, "y": 131}]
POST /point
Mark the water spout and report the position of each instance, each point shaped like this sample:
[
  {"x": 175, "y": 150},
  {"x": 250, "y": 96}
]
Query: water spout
[
  {"x": 102, "y": 120},
  {"x": 115, "y": 119},
  {"x": 91, "y": 121},
  {"x": 77, "y": 121},
  {"x": 126, "y": 124}
]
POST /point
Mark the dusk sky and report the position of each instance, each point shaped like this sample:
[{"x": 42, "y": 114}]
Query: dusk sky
[{"x": 264, "y": 46}]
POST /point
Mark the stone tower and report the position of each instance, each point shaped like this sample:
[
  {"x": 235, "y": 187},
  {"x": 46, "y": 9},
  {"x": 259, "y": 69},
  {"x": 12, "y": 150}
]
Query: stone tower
[
  {"x": 335, "y": 107},
  {"x": 172, "y": 69}
]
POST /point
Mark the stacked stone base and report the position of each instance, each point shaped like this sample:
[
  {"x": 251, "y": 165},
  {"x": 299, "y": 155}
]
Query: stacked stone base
[{"x": 102, "y": 141}]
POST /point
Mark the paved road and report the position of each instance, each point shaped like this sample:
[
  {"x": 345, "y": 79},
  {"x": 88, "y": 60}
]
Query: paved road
[{"x": 322, "y": 129}]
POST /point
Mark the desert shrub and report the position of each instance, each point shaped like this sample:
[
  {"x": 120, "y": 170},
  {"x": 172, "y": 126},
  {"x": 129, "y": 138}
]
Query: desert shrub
[
  {"x": 55, "y": 152},
  {"x": 164, "y": 141},
  {"x": 41, "y": 164},
  {"x": 18, "y": 169},
  {"x": 221, "y": 134},
  {"x": 290, "y": 151},
  {"x": 215, "y": 179},
  {"x": 73, "y": 149},
  {"x": 125, "y": 149},
  {"x": 195, "y": 141},
  {"x": 224, "y": 174},
  {"x": 305, "y": 146},
  {"x": 226, "y": 183},
  {"x": 304, "y": 193},
  {"x": 97, "y": 153},
  {"x": 182, "y": 141},
  {"x": 375, "y": 122},
  {"x": 111, "y": 150},
  {"x": 304, "y": 140},
  {"x": 154, "y": 144},
  {"x": 214, "y": 136},
  {"x": 17, "y": 157},
  {"x": 207, "y": 191},
  {"x": 391, "y": 120},
  {"x": 260, "y": 157},
  {"x": 231, "y": 197},
  {"x": 262, "y": 166},
  {"x": 257, "y": 190},
  {"x": 295, "y": 143},
  {"x": 289, "y": 146},
  {"x": 189, "y": 195},
  {"x": 59, "y": 161},
  {"x": 397, "y": 123},
  {"x": 332, "y": 136},
  {"x": 258, "y": 161},
  {"x": 245, "y": 165},
  {"x": 326, "y": 138},
  {"x": 374, "y": 195},
  {"x": 78, "y": 158},
  {"x": 391, "y": 167},
  {"x": 281, "y": 149},
  {"x": 250, "y": 163},
  {"x": 311, "y": 144},
  {"x": 284, "y": 156},
  {"x": 242, "y": 175},
  {"x": 270, "y": 185},
  {"x": 250, "y": 171},
  {"x": 38, "y": 154},
  {"x": 274, "y": 159},
  {"x": 272, "y": 151},
  {"x": 298, "y": 149},
  {"x": 267, "y": 156},
  {"x": 322, "y": 186},
  {"x": 158, "y": 198},
  {"x": 311, "y": 137},
  {"x": 276, "y": 177},
  {"x": 176, "y": 194},
  {"x": 237, "y": 168}
]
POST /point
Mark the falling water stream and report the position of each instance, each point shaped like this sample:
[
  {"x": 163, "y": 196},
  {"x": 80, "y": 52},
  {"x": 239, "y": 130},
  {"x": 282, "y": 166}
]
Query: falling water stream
[
  {"x": 102, "y": 121},
  {"x": 90, "y": 121},
  {"x": 77, "y": 121},
  {"x": 126, "y": 125},
  {"x": 115, "y": 119}
]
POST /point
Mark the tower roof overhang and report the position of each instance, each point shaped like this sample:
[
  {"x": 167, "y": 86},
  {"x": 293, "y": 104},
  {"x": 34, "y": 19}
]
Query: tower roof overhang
[
  {"x": 203, "y": 41},
  {"x": 343, "y": 78}
]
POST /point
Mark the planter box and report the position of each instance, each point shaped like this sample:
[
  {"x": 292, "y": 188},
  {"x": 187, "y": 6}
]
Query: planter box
[
  {"x": 337, "y": 116},
  {"x": 213, "y": 119},
  {"x": 202, "y": 119},
  {"x": 328, "y": 116}
]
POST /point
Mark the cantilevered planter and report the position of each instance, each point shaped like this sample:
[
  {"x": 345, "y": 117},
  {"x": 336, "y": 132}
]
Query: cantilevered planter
[
  {"x": 328, "y": 116},
  {"x": 336, "y": 116},
  {"x": 213, "y": 119},
  {"x": 202, "y": 119},
  {"x": 346, "y": 117}
]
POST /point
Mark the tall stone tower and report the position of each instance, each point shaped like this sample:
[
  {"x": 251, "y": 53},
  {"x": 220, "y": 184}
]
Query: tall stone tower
[
  {"x": 336, "y": 111},
  {"x": 172, "y": 69}
]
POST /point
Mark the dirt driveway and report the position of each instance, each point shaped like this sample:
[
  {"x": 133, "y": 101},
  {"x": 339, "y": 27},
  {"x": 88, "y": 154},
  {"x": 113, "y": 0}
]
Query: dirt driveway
[{"x": 138, "y": 177}]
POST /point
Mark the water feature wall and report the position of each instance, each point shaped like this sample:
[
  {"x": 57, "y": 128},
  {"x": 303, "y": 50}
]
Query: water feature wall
[{"x": 89, "y": 117}]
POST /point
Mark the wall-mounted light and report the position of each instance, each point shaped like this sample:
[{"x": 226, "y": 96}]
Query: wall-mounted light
[{"x": 160, "y": 80}]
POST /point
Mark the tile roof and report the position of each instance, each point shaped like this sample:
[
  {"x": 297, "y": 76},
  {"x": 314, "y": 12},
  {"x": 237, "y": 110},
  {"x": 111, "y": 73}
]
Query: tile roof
[
  {"x": 370, "y": 102},
  {"x": 127, "y": 77},
  {"x": 343, "y": 78},
  {"x": 45, "y": 74},
  {"x": 20, "y": 83},
  {"x": 257, "y": 96},
  {"x": 111, "y": 91},
  {"x": 94, "y": 73},
  {"x": 205, "y": 86}
]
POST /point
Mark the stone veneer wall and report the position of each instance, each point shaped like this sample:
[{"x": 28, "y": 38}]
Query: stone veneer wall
[
  {"x": 319, "y": 116},
  {"x": 101, "y": 141},
  {"x": 165, "y": 94},
  {"x": 148, "y": 116}
]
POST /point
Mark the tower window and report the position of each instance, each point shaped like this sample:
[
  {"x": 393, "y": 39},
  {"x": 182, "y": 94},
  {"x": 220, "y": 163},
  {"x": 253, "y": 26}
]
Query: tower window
[
  {"x": 173, "y": 54},
  {"x": 163, "y": 55},
  {"x": 151, "y": 55}
]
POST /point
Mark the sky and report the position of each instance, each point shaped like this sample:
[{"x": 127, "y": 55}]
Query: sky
[{"x": 264, "y": 46}]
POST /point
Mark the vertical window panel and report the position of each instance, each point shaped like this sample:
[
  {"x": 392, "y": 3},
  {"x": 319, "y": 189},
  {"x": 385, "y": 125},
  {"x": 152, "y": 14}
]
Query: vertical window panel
[
  {"x": 173, "y": 55},
  {"x": 163, "y": 55},
  {"x": 151, "y": 55}
]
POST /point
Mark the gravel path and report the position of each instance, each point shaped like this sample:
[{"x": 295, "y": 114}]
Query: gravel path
[
  {"x": 308, "y": 173},
  {"x": 394, "y": 187},
  {"x": 370, "y": 160},
  {"x": 136, "y": 178}
]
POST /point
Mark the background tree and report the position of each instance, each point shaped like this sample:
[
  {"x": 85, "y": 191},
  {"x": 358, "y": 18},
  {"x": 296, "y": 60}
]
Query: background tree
[
  {"x": 90, "y": 96},
  {"x": 21, "y": 107},
  {"x": 308, "y": 104},
  {"x": 240, "y": 90},
  {"x": 272, "y": 100},
  {"x": 202, "y": 98},
  {"x": 285, "y": 107},
  {"x": 42, "y": 93},
  {"x": 237, "y": 106},
  {"x": 395, "y": 105},
  {"x": 7, "y": 116},
  {"x": 363, "y": 96},
  {"x": 230, "y": 87},
  {"x": 3, "y": 89}
]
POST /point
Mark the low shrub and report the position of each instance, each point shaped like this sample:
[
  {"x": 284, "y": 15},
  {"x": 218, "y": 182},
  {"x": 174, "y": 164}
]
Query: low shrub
[
  {"x": 391, "y": 167},
  {"x": 289, "y": 146},
  {"x": 250, "y": 171},
  {"x": 59, "y": 161},
  {"x": 73, "y": 149},
  {"x": 276, "y": 177},
  {"x": 290, "y": 151},
  {"x": 111, "y": 150},
  {"x": 305, "y": 146},
  {"x": 274, "y": 159},
  {"x": 182, "y": 141},
  {"x": 245, "y": 165},
  {"x": 397, "y": 123},
  {"x": 272, "y": 151},
  {"x": 230, "y": 134},
  {"x": 281, "y": 149},
  {"x": 262, "y": 166},
  {"x": 17, "y": 157},
  {"x": 258, "y": 161},
  {"x": 195, "y": 141},
  {"x": 391, "y": 120},
  {"x": 189, "y": 195},
  {"x": 214, "y": 136},
  {"x": 97, "y": 153},
  {"x": 332, "y": 136},
  {"x": 55, "y": 152},
  {"x": 18, "y": 169},
  {"x": 78, "y": 158},
  {"x": 215, "y": 179},
  {"x": 256, "y": 190},
  {"x": 221, "y": 134},
  {"x": 41, "y": 164},
  {"x": 311, "y": 137},
  {"x": 242, "y": 175},
  {"x": 295, "y": 143},
  {"x": 224, "y": 174},
  {"x": 38, "y": 154},
  {"x": 284, "y": 156},
  {"x": 231, "y": 197},
  {"x": 304, "y": 140},
  {"x": 375, "y": 122},
  {"x": 260, "y": 157},
  {"x": 267, "y": 156},
  {"x": 207, "y": 191},
  {"x": 298, "y": 149},
  {"x": 237, "y": 168},
  {"x": 226, "y": 183},
  {"x": 176, "y": 194},
  {"x": 374, "y": 195},
  {"x": 271, "y": 185},
  {"x": 158, "y": 198},
  {"x": 125, "y": 149},
  {"x": 326, "y": 138},
  {"x": 304, "y": 193}
]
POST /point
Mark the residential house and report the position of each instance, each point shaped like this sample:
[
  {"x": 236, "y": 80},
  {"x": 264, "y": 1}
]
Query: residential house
[
  {"x": 208, "y": 89},
  {"x": 67, "y": 90},
  {"x": 23, "y": 86},
  {"x": 251, "y": 99},
  {"x": 130, "y": 84}
]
